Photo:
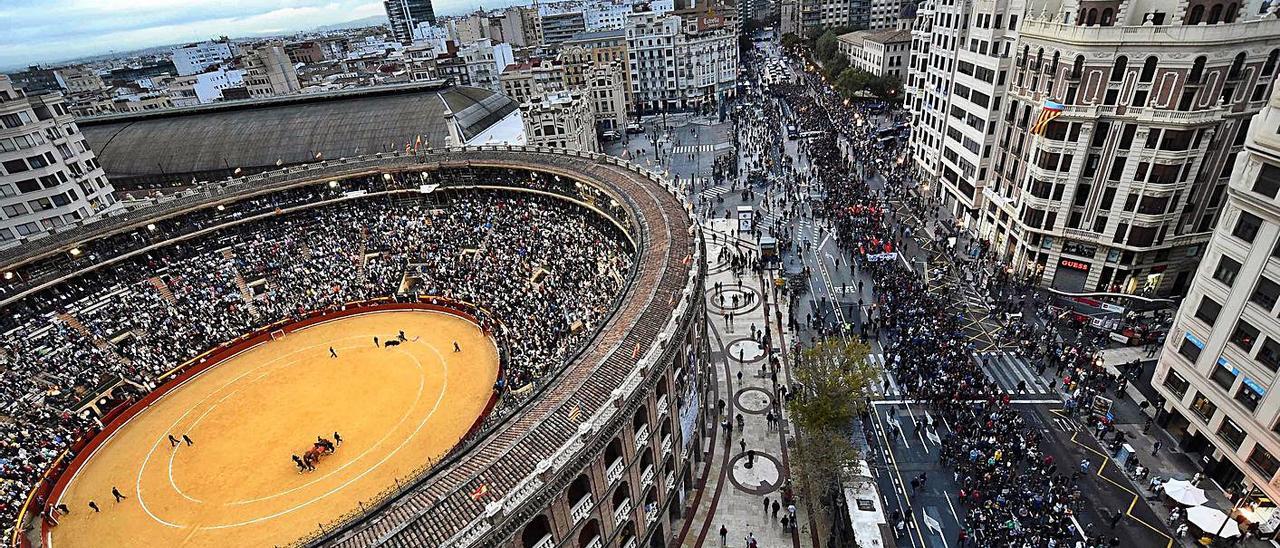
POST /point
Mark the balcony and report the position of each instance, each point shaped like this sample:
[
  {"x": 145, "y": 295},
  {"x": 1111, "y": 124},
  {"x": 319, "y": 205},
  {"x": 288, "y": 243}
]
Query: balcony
[
  {"x": 642, "y": 438},
  {"x": 1164, "y": 35},
  {"x": 646, "y": 477},
  {"x": 630, "y": 543},
  {"x": 666, "y": 445},
  {"x": 620, "y": 515},
  {"x": 651, "y": 514},
  {"x": 545, "y": 542},
  {"x": 582, "y": 509},
  {"x": 614, "y": 472},
  {"x": 1080, "y": 234},
  {"x": 664, "y": 404},
  {"x": 595, "y": 543},
  {"x": 671, "y": 480}
]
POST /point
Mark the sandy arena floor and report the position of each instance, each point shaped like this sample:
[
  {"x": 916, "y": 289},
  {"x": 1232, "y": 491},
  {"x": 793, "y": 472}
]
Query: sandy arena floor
[{"x": 237, "y": 486}]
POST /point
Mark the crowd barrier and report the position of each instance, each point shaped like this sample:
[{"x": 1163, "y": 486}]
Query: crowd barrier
[{"x": 56, "y": 478}]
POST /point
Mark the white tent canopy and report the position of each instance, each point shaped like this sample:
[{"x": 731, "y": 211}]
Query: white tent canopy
[
  {"x": 1183, "y": 492},
  {"x": 1212, "y": 521}
]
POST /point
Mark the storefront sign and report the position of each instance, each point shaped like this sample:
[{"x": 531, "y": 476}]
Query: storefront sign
[{"x": 1074, "y": 265}]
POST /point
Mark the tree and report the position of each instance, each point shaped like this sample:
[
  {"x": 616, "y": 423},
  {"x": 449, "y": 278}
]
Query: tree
[
  {"x": 827, "y": 47},
  {"x": 833, "y": 67},
  {"x": 790, "y": 40},
  {"x": 832, "y": 379},
  {"x": 853, "y": 81}
]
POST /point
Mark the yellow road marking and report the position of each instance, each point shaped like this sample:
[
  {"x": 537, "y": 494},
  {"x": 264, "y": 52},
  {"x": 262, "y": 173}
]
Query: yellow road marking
[{"x": 1128, "y": 512}]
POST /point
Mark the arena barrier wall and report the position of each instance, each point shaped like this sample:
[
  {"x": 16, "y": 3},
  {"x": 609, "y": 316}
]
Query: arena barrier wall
[{"x": 57, "y": 477}]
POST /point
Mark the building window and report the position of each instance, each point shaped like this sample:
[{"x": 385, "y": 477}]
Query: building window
[
  {"x": 1230, "y": 433},
  {"x": 1268, "y": 181},
  {"x": 1176, "y": 384},
  {"x": 26, "y": 229},
  {"x": 1248, "y": 396},
  {"x": 1247, "y": 226},
  {"x": 1265, "y": 294},
  {"x": 1269, "y": 354},
  {"x": 1245, "y": 335},
  {"x": 1208, "y": 310},
  {"x": 1223, "y": 377},
  {"x": 1203, "y": 408},
  {"x": 1189, "y": 350},
  {"x": 1263, "y": 462},
  {"x": 1227, "y": 270}
]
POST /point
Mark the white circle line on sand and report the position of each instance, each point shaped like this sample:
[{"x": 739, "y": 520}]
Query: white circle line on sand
[
  {"x": 444, "y": 388},
  {"x": 105, "y": 443},
  {"x": 138, "y": 491},
  {"x": 422, "y": 384}
]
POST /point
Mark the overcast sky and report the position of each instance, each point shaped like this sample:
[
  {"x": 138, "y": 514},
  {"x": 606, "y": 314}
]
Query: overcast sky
[{"x": 44, "y": 31}]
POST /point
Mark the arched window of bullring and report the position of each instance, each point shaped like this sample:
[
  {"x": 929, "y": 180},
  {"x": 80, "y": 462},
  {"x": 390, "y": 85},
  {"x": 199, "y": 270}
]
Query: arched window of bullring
[
  {"x": 579, "y": 490},
  {"x": 613, "y": 453},
  {"x": 641, "y": 421},
  {"x": 621, "y": 495},
  {"x": 589, "y": 533},
  {"x": 536, "y": 531}
]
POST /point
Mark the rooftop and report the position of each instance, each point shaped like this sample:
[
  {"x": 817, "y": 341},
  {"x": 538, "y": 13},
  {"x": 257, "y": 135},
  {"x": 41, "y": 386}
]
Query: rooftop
[{"x": 170, "y": 147}]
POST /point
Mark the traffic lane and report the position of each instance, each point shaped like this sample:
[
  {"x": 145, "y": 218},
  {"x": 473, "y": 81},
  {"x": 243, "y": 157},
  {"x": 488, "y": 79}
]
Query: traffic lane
[
  {"x": 915, "y": 453},
  {"x": 1105, "y": 488}
]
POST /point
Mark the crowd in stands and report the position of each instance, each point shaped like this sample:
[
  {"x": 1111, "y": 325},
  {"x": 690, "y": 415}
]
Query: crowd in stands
[{"x": 547, "y": 270}]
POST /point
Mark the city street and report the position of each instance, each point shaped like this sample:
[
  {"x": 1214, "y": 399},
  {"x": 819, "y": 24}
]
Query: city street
[{"x": 836, "y": 297}]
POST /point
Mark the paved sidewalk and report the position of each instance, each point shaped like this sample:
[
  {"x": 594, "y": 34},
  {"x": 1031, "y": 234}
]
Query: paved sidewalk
[{"x": 735, "y": 493}]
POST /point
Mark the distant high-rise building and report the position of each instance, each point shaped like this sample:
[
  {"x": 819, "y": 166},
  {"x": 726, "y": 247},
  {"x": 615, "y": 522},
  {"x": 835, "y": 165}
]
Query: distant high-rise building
[
  {"x": 196, "y": 58},
  {"x": 404, "y": 15},
  {"x": 269, "y": 71}
]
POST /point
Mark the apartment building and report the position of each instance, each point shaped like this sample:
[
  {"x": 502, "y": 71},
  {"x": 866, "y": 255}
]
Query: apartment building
[
  {"x": 597, "y": 50},
  {"x": 682, "y": 60},
  {"x": 560, "y": 120},
  {"x": 196, "y": 58},
  {"x": 269, "y": 71},
  {"x": 1221, "y": 357},
  {"x": 49, "y": 177},
  {"x": 1120, "y": 192},
  {"x": 955, "y": 87},
  {"x": 882, "y": 52}
]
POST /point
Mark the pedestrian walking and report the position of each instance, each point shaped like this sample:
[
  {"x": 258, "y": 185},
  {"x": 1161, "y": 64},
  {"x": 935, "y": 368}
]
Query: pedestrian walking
[
  {"x": 116, "y": 493},
  {"x": 187, "y": 440},
  {"x": 724, "y": 536}
]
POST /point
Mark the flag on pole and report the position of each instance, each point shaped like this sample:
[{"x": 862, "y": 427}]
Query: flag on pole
[
  {"x": 1048, "y": 112},
  {"x": 417, "y": 144},
  {"x": 480, "y": 491},
  {"x": 575, "y": 413}
]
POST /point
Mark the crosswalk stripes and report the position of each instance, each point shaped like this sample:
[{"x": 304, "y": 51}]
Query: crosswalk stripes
[
  {"x": 685, "y": 149},
  {"x": 713, "y": 192},
  {"x": 1008, "y": 370}
]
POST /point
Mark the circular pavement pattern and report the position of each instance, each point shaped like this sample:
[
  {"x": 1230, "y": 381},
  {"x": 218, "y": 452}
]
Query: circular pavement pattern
[
  {"x": 745, "y": 350},
  {"x": 761, "y": 479},
  {"x": 753, "y": 400},
  {"x": 729, "y": 292}
]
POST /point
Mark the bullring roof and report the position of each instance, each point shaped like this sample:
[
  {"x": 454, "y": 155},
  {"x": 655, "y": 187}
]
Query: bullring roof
[{"x": 212, "y": 140}]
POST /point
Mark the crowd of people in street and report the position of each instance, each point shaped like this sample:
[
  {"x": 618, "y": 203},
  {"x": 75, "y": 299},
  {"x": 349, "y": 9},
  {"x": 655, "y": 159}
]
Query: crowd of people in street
[
  {"x": 1012, "y": 493},
  {"x": 545, "y": 271}
]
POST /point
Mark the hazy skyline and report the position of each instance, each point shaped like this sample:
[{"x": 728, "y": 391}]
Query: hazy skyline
[{"x": 47, "y": 31}]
